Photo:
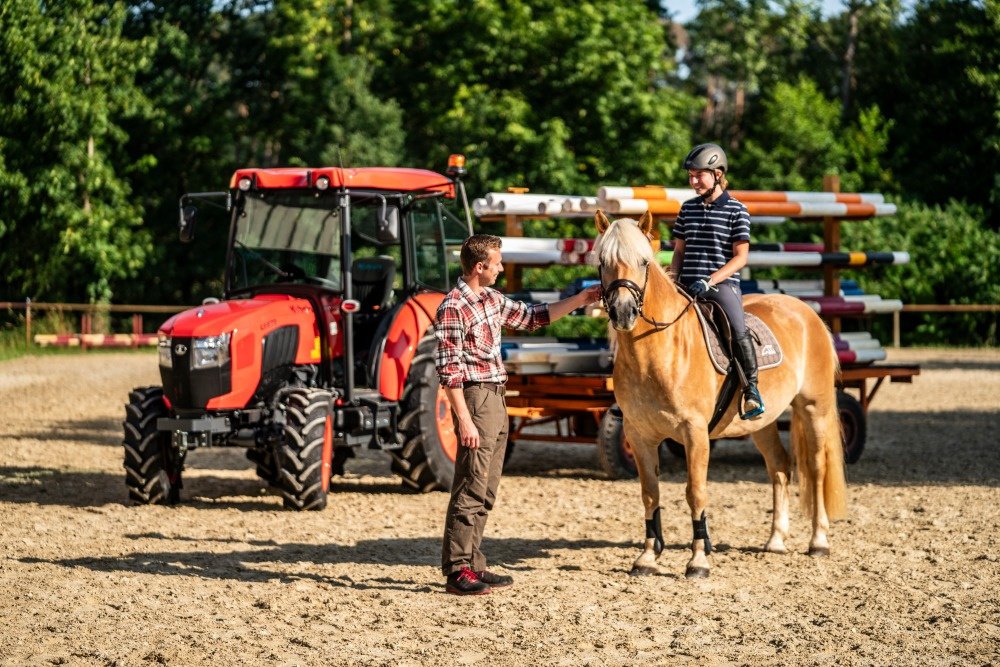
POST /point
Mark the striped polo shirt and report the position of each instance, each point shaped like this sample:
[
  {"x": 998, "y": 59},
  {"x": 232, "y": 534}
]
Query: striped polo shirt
[{"x": 708, "y": 232}]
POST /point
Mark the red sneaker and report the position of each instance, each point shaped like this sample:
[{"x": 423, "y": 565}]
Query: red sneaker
[{"x": 466, "y": 582}]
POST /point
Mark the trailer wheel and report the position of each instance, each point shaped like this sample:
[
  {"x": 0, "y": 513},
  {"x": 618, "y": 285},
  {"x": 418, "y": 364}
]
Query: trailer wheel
[
  {"x": 855, "y": 430},
  {"x": 304, "y": 455},
  {"x": 614, "y": 452},
  {"x": 426, "y": 461},
  {"x": 152, "y": 467}
]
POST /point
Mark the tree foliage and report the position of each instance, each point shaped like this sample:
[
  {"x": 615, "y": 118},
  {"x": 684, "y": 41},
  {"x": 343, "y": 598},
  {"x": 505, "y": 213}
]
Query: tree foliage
[
  {"x": 70, "y": 225},
  {"x": 553, "y": 95}
]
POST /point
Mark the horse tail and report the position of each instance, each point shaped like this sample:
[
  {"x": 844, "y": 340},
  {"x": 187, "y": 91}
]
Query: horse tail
[
  {"x": 835, "y": 482},
  {"x": 800, "y": 452},
  {"x": 832, "y": 459}
]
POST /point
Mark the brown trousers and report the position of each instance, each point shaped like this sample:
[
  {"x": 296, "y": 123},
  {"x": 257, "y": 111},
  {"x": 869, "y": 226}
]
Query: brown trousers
[{"x": 477, "y": 477}]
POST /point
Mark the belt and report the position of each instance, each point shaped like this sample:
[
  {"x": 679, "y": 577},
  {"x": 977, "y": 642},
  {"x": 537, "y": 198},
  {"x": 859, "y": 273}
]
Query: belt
[{"x": 495, "y": 387}]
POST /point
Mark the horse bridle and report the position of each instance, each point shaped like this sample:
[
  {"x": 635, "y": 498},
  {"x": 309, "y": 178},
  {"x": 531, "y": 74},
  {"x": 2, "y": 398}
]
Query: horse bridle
[{"x": 639, "y": 294}]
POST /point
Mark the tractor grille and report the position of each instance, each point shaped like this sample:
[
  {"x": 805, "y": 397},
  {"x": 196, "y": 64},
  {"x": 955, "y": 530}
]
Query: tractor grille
[
  {"x": 277, "y": 360},
  {"x": 188, "y": 388},
  {"x": 279, "y": 348}
]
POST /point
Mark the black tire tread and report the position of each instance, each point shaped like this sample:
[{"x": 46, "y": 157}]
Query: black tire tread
[
  {"x": 147, "y": 461},
  {"x": 299, "y": 455}
]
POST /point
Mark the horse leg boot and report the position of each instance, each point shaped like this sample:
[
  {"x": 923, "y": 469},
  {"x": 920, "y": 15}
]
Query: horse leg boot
[
  {"x": 648, "y": 466},
  {"x": 753, "y": 404},
  {"x": 697, "y": 496}
]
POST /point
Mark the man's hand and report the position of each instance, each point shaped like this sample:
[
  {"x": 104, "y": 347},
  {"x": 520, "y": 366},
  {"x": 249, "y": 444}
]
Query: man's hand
[
  {"x": 468, "y": 433},
  {"x": 701, "y": 287},
  {"x": 591, "y": 295}
]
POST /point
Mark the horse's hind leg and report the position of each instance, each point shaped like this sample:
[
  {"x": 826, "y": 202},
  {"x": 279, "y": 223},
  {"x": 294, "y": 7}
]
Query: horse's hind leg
[
  {"x": 815, "y": 427},
  {"x": 778, "y": 465},
  {"x": 647, "y": 462}
]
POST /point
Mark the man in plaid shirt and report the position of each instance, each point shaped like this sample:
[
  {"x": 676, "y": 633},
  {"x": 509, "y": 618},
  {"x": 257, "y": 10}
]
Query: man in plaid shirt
[{"x": 471, "y": 370}]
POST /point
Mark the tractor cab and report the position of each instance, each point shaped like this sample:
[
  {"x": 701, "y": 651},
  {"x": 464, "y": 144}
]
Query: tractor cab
[{"x": 356, "y": 252}]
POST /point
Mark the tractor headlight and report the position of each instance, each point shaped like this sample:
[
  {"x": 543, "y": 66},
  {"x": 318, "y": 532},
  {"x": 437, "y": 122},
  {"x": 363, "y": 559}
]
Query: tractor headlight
[
  {"x": 166, "y": 359},
  {"x": 210, "y": 352}
]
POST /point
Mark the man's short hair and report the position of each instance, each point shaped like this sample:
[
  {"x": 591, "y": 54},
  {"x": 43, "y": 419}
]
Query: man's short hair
[{"x": 477, "y": 249}]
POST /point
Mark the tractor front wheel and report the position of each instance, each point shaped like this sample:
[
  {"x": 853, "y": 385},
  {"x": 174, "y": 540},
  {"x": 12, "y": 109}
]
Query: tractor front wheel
[
  {"x": 305, "y": 453},
  {"x": 152, "y": 466}
]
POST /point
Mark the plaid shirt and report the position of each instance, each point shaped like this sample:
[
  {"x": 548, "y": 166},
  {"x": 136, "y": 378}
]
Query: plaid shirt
[{"x": 468, "y": 332}]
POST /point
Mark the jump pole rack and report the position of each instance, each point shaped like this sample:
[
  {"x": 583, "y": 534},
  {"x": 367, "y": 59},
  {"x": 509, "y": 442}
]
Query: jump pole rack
[{"x": 537, "y": 399}]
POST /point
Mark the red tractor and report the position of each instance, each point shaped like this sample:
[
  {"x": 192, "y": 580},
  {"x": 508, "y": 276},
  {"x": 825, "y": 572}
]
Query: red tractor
[{"x": 323, "y": 339}]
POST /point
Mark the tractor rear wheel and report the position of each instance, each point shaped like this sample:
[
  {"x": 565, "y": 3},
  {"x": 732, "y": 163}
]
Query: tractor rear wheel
[
  {"x": 426, "y": 461},
  {"x": 152, "y": 466},
  {"x": 305, "y": 453}
]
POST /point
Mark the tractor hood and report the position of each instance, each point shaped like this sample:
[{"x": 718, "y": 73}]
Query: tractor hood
[{"x": 260, "y": 315}]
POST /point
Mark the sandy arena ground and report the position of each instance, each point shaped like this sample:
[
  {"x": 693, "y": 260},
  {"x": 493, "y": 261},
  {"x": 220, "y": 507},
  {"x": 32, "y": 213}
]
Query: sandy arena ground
[{"x": 229, "y": 578}]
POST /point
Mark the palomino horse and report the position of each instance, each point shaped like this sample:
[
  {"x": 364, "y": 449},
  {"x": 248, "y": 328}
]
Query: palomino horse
[{"x": 666, "y": 387}]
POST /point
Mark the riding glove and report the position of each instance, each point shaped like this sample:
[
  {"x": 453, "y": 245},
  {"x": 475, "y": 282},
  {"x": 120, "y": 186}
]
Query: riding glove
[{"x": 700, "y": 287}]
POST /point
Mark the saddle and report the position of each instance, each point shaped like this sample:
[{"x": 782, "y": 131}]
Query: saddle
[
  {"x": 766, "y": 346},
  {"x": 766, "y": 349}
]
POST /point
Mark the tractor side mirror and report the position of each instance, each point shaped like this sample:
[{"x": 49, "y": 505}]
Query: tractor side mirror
[
  {"x": 186, "y": 224},
  {"x": 388, "y": 225}
]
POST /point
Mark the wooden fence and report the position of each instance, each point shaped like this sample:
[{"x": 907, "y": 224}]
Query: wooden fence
[{"x": 86, "y": 337}]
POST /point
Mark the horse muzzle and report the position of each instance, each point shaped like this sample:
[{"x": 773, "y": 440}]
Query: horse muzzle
[{"x": 622, "y": 313}]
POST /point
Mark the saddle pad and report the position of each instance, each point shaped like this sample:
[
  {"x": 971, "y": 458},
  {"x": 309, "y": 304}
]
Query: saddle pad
[{"x": 765, "y": 344}]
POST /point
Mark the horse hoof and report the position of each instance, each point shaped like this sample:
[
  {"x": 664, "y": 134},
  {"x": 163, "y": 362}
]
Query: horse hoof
[
  {"x": 696, "y": 573},
  {"x": 643, "y": 571},
  {"x": 819, "y": 552}
]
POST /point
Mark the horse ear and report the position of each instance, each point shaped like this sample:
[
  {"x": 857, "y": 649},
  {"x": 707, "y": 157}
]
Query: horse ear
[
  {"x": 646, "y": 223},
  {"x": 601, "y": 221}
]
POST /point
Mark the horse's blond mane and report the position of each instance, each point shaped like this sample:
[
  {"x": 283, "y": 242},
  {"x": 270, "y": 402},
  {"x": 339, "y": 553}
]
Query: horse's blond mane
[{"x": 623, "y": 243}]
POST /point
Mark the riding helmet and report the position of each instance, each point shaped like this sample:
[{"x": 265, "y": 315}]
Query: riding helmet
[{"x": 707, "y": 156}]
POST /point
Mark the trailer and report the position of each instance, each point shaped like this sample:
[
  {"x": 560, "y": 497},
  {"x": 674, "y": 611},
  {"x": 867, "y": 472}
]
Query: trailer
[{"x": 577, "y": 407}]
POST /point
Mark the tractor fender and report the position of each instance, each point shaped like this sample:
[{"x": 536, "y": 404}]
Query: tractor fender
[{"x": 409, "y": 324}]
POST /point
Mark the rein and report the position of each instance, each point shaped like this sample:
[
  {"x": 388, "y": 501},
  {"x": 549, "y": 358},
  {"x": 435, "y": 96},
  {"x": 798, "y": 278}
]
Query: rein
[{"x": 639, "y": 294}]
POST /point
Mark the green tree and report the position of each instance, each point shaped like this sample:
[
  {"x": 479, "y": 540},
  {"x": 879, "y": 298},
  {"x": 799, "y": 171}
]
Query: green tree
[
  {"x": 954, "y": 259},
  {"x": 552, "y": 95},
  {"x": 945, "y": 102},
  {"x": 70, "y": 225},
  {"x": 740, "y": 49}
]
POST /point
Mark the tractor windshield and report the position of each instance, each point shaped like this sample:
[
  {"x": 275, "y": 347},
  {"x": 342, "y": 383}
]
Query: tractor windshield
[{"x": 287, "y": 236}]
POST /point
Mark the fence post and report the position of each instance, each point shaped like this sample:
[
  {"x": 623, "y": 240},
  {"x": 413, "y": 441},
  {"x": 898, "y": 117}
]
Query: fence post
[
  {"x": 895, "y": 328},
  {"x": 27, "y": 323},
  {"x": 136, "y": 329}
]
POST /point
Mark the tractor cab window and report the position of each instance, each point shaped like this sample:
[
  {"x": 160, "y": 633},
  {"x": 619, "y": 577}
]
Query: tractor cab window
[
  {"x": 437, "y": 237},
  {"x": 287, "y": 236},
  {"x": 376, "y": 252}
]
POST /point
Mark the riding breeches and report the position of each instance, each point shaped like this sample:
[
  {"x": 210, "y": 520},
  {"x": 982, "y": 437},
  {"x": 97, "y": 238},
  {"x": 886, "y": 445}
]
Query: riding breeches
[{"x": 730, "y": 298}]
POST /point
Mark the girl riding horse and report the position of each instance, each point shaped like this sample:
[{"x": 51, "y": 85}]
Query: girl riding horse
[{"x": 666, "y": 387}]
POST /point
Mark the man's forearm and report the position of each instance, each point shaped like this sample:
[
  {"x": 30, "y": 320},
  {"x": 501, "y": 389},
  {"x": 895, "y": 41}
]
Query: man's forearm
[{"x": 566, "y": 306}]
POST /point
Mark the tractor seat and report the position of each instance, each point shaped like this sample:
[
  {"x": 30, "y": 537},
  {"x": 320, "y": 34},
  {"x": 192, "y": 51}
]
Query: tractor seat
[{"x": 372, "y": 279}]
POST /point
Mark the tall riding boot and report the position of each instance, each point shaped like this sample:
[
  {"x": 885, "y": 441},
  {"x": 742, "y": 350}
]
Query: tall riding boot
[{"x": 753, "y": 404}]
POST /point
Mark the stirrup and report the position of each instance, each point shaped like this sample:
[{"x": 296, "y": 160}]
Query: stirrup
[{"x": 751, "y": 394}]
